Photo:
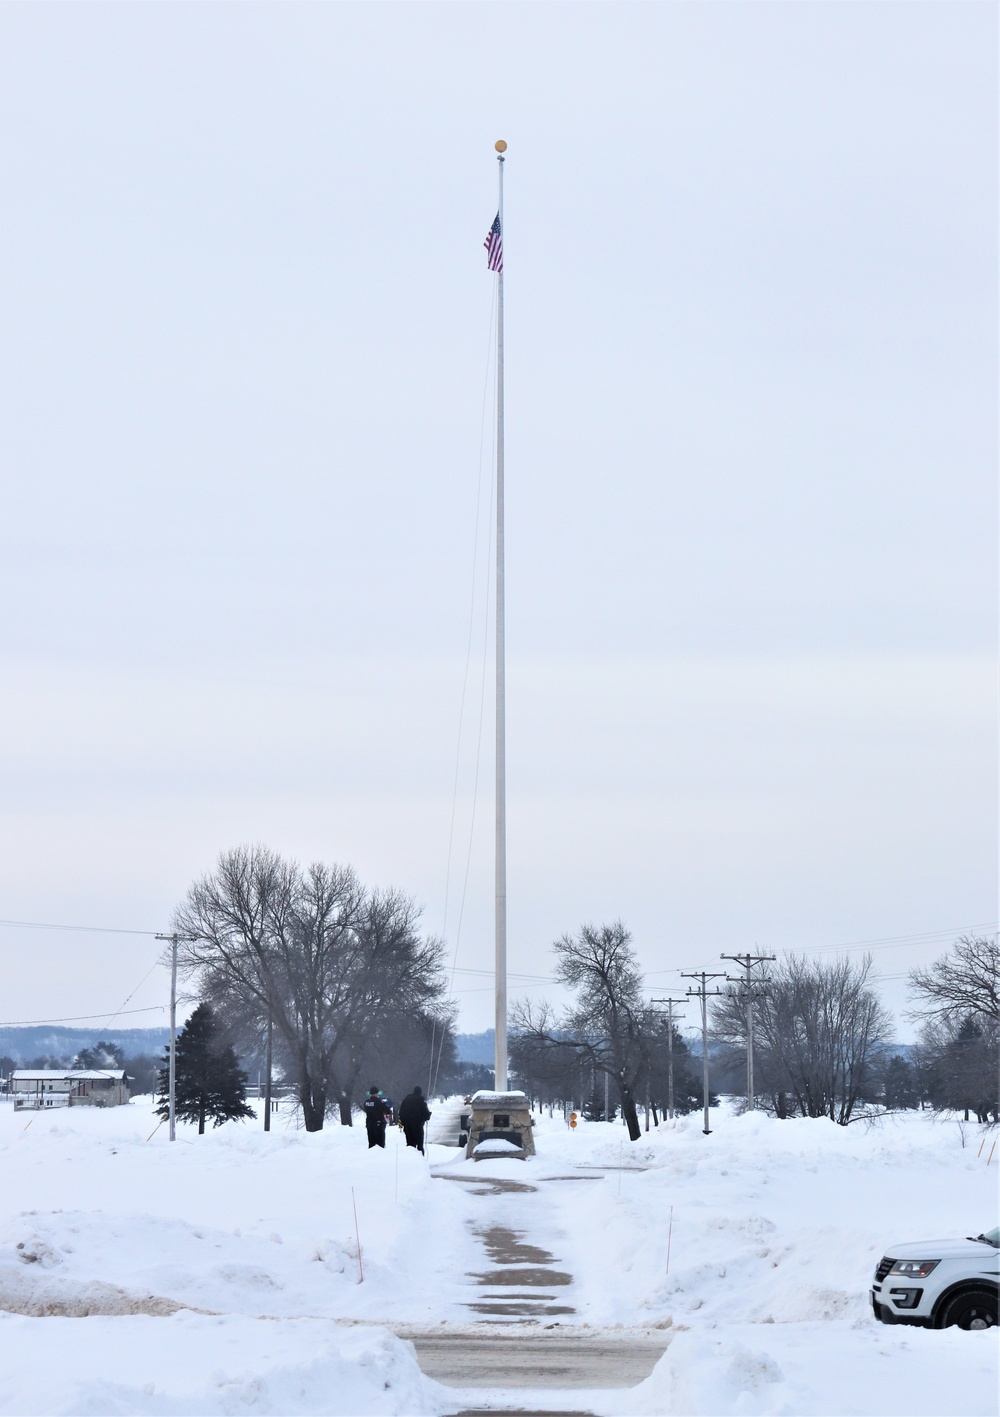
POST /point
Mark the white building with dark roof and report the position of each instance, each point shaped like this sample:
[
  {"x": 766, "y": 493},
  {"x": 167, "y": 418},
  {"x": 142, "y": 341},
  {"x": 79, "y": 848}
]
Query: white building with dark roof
[{"x": 68, "y": 1087}]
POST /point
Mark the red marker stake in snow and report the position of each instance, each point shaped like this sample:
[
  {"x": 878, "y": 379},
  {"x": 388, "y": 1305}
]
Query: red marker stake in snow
[
  {"x": 670, "y": 1231},
  {"x": 357, "y": 1236}
]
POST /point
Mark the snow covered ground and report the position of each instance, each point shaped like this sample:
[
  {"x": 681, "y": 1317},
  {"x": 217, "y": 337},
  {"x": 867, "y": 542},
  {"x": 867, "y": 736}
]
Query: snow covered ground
[{"x": 204, "y": 1277}]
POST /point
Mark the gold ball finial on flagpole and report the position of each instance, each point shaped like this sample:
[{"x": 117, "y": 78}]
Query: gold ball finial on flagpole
[{"x": 500, "y": 146}]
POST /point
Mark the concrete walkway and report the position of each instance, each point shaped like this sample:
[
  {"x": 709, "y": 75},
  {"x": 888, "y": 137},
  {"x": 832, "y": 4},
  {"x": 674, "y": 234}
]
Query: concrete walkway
[
  {"x": 525, "y": 1332},
  {"x": 536, "y": 1359}
]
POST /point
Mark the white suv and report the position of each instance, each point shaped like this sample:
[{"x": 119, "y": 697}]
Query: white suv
[{"x": 937, "y": 1283}]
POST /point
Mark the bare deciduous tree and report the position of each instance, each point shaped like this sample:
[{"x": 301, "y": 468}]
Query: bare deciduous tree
[
  {"x": 605, "y": 1027},
  {"x": 392, "y": 975},
  {"x": 546, "y": 1071},
  {"x": 325, "y": 959},
  {"x": 817, "y": 1032},
  {"x": 407, "y": 1046},
  {"x": 964, "y": 983}
]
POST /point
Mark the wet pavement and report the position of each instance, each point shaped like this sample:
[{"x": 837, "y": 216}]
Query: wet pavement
[
  {"x": 518, "y": 1266},
  {"x": 487, "y": 1185}
]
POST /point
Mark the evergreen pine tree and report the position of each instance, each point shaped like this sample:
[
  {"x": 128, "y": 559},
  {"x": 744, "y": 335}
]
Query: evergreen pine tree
[
  {"x": 209, "y": 1081},
  {"x": 900, "y": 1083},
  {"x": 687, "y": 1079}
]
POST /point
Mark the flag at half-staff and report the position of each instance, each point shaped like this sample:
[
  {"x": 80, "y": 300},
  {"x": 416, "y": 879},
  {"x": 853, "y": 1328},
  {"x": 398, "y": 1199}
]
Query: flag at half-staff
[{"x": 494, "y": 246}]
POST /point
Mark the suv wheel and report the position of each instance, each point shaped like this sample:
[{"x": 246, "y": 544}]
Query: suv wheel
[{"x": 973, "y": 1310}]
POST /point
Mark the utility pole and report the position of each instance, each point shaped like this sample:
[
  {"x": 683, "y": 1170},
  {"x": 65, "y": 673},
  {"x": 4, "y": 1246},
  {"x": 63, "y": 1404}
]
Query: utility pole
[
  {"x": 702, "y": 993},
  {"x": 174, "y": 940},
  {"x": 670, "y": 1050},
  {"x": 747, "y": 962},
  {"x": 267, "y": 1072}
]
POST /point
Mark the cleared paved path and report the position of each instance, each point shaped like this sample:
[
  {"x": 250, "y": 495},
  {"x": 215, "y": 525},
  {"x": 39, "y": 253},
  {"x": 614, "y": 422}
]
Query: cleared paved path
[
  {"x": 523, "y": 1297},
  {"x": 536, "y": 1359}
]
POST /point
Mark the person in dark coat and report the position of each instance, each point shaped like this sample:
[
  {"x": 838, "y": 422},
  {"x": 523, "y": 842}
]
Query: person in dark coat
[
  {"x": 413, "y": 1113},
  {"x": 376, "y": 1116}
]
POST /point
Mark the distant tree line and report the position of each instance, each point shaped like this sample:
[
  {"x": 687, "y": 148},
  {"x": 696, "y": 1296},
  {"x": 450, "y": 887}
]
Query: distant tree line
[
  {"x": 821, "y": 1036},
  {"x": 351, "y": 992}
]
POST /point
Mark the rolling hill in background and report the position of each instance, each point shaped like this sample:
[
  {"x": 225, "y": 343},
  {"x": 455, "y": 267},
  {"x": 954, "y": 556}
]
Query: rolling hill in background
[
  {"x": 52, "y": 1041},
  {"x": 476, "y": 1047}
]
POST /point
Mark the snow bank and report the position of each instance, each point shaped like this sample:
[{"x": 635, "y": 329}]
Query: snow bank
[
  {"x": 774, "y": 1230},
  {"x": 510, "y": 1100},
  {"x": 96, "y": 1219},
  {"x": 208, "y": 1275},
  {"x": 809, "y": 1371},
  {"x": 238, "y": 1250},
  {"x": 772, "y": 1222},
  {"x": 195, "y": 1364}
]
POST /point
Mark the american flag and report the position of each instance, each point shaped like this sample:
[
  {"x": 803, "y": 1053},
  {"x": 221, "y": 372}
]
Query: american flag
[{"x": 494, "y": 246}]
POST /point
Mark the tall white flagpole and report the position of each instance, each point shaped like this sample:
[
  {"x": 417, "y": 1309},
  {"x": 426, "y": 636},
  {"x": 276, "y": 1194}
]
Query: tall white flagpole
[{"x": 500, "y": 1080}]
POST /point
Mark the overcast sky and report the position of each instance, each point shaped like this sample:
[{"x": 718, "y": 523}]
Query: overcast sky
[{"x": 751, "y": 448}]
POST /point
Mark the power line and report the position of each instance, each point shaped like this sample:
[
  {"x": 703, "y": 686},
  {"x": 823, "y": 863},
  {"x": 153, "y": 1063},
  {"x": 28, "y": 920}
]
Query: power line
[
  {"x": 895, "y": 942},
  {"x": 468, "y": 648},
  {"x": 479, "y": 739},
  {"x": 76, "y": 1018},
  {"x": 92, "y": 929},
  {"x": 885, "y": 942},
  {"x": 119, "y": 1011},
  {"x": 513, "y": 974}
]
